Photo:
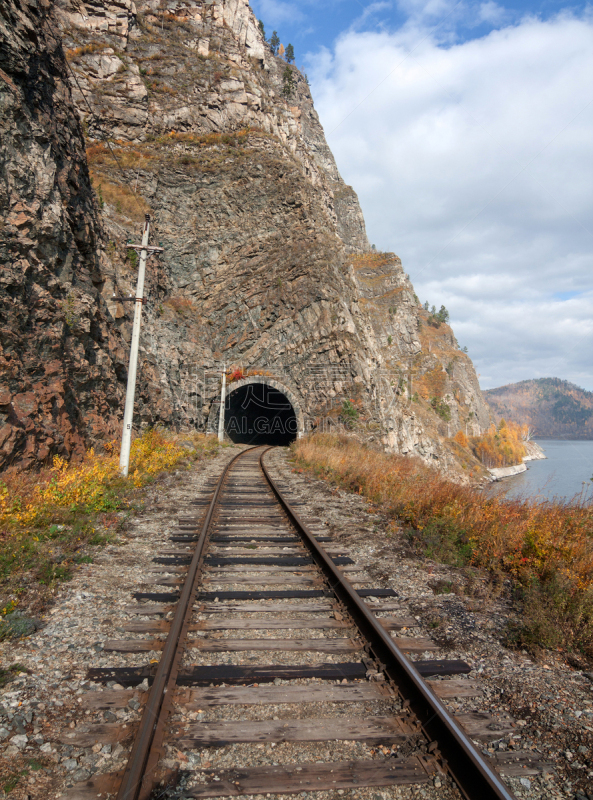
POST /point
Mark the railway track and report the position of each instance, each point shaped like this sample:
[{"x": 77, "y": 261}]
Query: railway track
[{"x": 265, "y": 642}]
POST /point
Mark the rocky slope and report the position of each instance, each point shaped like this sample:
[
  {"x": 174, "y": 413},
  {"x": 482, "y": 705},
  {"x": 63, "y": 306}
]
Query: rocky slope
[
  {"x": 554, "y": 408},
  {"x": 266, "y": 263}
]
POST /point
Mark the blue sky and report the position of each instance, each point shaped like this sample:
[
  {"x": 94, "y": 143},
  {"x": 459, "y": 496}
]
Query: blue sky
[
  {"x": 310, "y": 25},
  {"x": 466, "y": 128}
]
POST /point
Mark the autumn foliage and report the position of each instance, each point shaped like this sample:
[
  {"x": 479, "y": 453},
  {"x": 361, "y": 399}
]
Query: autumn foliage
[
  {"x": 461, "y": 439},
  {"x": 545, "y": 547},
  {"x": 46, "y": 517},
  {"x": 503, "y": 445},
  {"x": 238, "y": 373}
]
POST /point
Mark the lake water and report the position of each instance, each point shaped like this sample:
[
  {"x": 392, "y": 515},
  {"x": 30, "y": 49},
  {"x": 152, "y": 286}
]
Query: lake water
[{"x": 567, "y": 469}]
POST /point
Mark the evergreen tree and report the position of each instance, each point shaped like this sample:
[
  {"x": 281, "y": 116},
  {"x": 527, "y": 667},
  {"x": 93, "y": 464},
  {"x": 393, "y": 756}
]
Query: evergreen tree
[
  {"x": 289, "y": 55},
  {"x": 443, "y": 315},
  {"x": 274, "y": 42},
  {"x": 262, "y": 29},
  {"x": 287, "y": 82}
]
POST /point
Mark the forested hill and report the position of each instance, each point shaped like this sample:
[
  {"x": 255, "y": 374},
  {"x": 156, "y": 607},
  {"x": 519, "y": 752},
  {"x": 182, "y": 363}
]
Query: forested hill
[{"x": 555, "y": 409}]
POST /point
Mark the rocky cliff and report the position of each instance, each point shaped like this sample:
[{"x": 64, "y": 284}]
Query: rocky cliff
[
  {"x": 60, "y": 358},
  {"x": 188, "y": 116}
]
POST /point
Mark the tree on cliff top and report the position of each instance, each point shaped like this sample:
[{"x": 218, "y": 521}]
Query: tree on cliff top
[
  {"x": 289, "y": 54},
  {"x": 274, "y": 42},
  {"x": 262, "y": 29}
]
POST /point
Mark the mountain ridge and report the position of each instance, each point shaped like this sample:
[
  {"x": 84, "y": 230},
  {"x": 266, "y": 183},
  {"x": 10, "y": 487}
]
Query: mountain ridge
[{"x": 554, "y": 408}]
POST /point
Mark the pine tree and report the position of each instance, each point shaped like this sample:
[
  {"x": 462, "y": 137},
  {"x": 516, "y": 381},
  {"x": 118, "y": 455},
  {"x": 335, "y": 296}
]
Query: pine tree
[
  {"x": 262, "y": 29},
  {"x": 274, "y": 42},
  {"x": 287, "y": 82},
  {"x": 443, "y": 314},
  {"x": 289, "y": 55}
]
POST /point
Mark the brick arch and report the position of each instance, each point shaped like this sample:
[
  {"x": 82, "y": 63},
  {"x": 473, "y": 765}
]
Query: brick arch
[{"x": 265, "y": 379}]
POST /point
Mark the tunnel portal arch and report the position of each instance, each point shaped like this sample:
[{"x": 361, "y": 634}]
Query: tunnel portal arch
[{"x": 260, "y": 410}]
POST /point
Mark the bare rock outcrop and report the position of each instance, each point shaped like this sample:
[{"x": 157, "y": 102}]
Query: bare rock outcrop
[
  {"x": 189, "y": 116},
  {"x": 59, "y": 357}
]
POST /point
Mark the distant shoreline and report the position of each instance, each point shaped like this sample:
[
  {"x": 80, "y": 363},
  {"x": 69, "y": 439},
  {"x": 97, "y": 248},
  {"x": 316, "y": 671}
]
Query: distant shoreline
[
  {"x": 565, "y": 438},
  {"x": 533, "y": 453}
]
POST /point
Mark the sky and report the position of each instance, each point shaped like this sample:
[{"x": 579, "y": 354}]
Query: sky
[{"x": 466, "y": 128}]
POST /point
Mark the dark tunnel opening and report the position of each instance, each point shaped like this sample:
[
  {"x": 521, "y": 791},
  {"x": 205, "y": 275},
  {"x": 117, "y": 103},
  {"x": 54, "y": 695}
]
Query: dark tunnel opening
[{"x": 260, "y": 414}]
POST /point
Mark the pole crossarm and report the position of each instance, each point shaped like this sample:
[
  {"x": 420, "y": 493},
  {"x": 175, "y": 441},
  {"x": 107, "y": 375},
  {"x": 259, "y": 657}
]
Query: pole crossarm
[
  {"x": 149, "y": 248},
  {"x": 139, "y": 300},
  {"x": 129, "y": 299}
]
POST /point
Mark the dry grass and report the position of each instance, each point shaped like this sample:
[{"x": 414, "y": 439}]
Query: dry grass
[
  {"x": 163, "y": 88},
  {"x": 85, "y": 50},
  {"x": 131, "y": 157},
  {"x": 204, "y": 153},
  {"x": 431, "y": 383},
  {"x": 120, "y": 197},
  {"x": 183, "y": 306},
  {"x": 47, "y": 517},
  {"x": 545, "y": 547}
]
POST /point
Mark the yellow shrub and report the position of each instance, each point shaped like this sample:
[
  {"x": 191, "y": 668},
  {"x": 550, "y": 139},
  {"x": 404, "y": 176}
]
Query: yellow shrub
[{"x": 91, "y": 486}]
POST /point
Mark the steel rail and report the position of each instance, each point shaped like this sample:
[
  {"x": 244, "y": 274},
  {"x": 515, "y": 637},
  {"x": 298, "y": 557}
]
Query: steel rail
[
  {"x": 473, "y": 776},
  {"x": 137, "y": 777}
]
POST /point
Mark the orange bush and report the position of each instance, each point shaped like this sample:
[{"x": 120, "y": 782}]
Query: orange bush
[
  {"x": 501, "y": 446},
  {"x": 461, "y": 439},
  {"x": 432, "y": 383}
]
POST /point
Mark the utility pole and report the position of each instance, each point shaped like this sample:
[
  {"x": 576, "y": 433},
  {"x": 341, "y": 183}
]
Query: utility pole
[
  {"x": 126, "y": 440},
  {"x": 222, "y": 402}
]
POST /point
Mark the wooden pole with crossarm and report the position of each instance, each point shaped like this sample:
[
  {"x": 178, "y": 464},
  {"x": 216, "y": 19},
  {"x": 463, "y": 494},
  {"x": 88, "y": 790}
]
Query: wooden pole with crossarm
[{"x": 126, "y": 440}]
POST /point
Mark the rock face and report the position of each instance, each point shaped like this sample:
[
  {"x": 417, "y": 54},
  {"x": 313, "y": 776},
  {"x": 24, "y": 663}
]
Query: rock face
[
  {"x": 59, "y": 357},
  {"x": 266, "y": 264}
]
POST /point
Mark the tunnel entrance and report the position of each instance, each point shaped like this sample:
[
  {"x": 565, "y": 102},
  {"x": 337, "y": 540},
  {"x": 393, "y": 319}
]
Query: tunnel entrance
[{"x": 260, "y": 414}]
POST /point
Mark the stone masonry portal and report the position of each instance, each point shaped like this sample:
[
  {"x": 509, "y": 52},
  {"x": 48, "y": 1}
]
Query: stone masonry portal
[{"x": 257, "y": 414}]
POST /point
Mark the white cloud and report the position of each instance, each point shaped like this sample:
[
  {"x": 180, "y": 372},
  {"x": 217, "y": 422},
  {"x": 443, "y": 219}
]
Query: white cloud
[
  {"x": 474, "y": 162},
  {"x": 371, "y": 10}
]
